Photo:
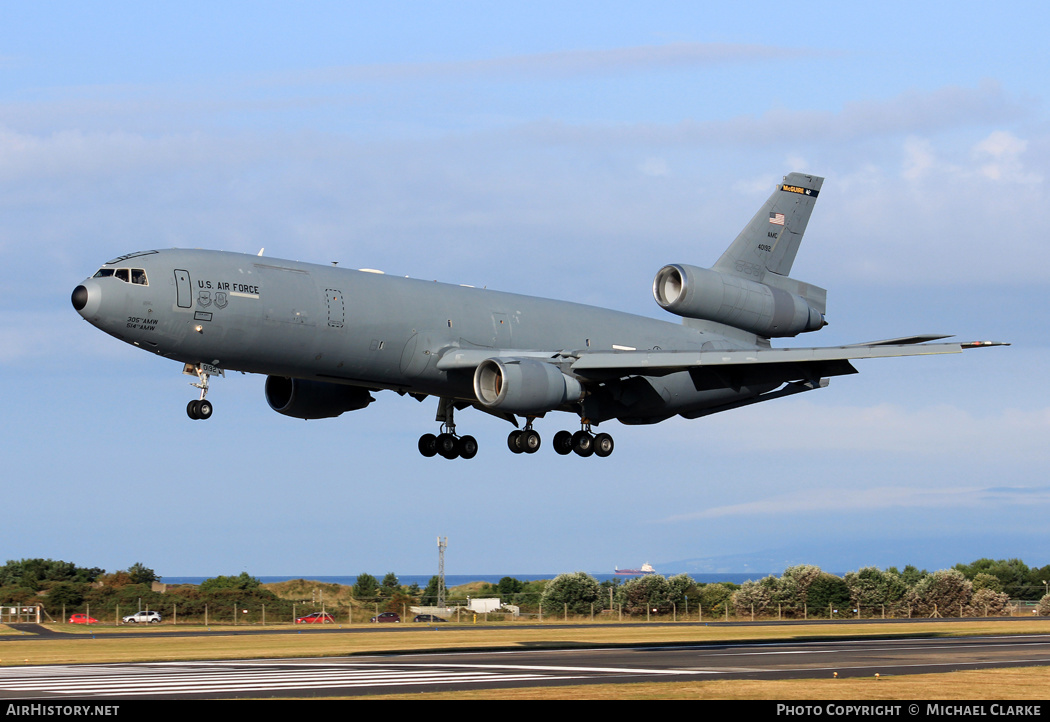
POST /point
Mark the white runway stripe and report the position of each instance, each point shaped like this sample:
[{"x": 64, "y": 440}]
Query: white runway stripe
[{"x": 153, "y": 679}]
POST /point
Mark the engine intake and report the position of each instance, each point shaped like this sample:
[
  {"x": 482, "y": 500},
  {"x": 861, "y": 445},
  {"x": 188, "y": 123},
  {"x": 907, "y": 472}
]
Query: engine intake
[
  {"x": 304, "y": 399},
  {"x": 704, "y": 294},
  {"x": 524, "y": 386}
]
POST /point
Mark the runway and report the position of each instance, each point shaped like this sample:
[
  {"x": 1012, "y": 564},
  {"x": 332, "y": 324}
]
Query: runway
[{"x": 414, "y": 673}]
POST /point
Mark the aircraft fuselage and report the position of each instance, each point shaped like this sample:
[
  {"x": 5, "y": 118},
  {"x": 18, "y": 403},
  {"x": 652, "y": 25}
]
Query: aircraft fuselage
[
  {"x": 254, "y": 314},
  {"x": 327, "y": 337}
]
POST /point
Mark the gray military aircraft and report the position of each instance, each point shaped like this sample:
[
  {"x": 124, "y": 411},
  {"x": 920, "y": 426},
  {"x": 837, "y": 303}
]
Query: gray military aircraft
[{"x": 327, "y": 337}]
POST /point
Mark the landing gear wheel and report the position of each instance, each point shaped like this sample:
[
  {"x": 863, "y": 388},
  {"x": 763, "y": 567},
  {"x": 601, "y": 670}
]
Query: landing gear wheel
[
  {"x": 428, "y": 445},
  {"x": 563, "y": 442},
  {"x": 529, "y": 441},
  {"x": 513, "y": 442},
  {"x": 603, "y": 445},
  {"x": 468, "y": 447},
  {"x": 583, "y": 443},
  {"x": 199, "y": 409},
  {"x": 447, "y": 446}
]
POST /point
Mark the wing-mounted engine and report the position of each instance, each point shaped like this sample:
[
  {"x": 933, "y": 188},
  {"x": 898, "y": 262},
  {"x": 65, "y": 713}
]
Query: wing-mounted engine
[
  {"x": 524, "y": 386},
  {"x": 304, "y": 399},
  {"x": 760, "y": 308}
]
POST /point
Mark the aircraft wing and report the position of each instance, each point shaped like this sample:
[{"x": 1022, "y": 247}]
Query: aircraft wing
[
  {"x": 646, "y": 362},
  {"x": 737, "y": 368},
  {"x": 722, "y": 368}
]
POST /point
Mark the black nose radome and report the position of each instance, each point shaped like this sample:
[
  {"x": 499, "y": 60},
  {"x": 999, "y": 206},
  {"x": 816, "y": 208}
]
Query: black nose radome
[{"x": 79, "y": 298}]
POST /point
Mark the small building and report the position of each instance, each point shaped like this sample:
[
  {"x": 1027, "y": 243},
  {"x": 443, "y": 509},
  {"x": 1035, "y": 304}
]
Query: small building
[{"x": 485, "y": 604}]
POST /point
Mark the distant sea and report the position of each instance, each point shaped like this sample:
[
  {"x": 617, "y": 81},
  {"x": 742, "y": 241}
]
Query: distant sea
[{"x": 454, "y": 580}]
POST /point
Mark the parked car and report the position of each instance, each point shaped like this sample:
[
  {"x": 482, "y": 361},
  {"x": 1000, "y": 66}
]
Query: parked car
[
  {"x": 143, "y": 617},
  {"x": 428, "y": 618},
  {"x": 387, "y": 617},
  {"x": 82, "y": 619},
  {"x": 316, "y": 618}
]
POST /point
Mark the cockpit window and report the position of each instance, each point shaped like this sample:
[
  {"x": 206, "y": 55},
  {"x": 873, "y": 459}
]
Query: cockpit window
[{"x": 127, "y": 275}]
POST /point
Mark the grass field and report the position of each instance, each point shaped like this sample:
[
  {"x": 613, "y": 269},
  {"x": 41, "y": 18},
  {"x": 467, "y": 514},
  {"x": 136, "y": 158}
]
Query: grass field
[{"x": 113, "y": 644}]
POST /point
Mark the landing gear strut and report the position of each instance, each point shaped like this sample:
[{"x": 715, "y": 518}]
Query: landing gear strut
[
  {"x": 447, "y": 443},
  {"x": 199, "y": 408}
]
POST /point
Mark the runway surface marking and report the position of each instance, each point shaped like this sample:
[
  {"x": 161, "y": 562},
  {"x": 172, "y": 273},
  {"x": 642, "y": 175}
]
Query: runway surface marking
[{"x": 197, "y": 678}]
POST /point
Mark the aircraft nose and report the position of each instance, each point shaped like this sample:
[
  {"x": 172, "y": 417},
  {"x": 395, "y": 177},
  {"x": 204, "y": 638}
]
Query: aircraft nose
[
  {"x": 86, "y": 298},
  {"x": 80, "y": 298}
]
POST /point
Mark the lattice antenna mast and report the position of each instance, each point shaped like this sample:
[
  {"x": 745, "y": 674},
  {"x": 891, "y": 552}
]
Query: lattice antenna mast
[{"x": 442, "y": 544}]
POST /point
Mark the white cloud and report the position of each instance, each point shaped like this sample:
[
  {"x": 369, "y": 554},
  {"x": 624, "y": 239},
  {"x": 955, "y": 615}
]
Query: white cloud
[
  {"x": 873, "y": 499},
  {"x": 911, "y": 112},
  {"x": 1001, "y": 155},
  {"x": 654, "y": 167},
  {"x": 558, "y": 64},
  {"x": 918, "y": 158},
  {"x": 73, "y": 155},
  {"x": 939, "y": 431}
]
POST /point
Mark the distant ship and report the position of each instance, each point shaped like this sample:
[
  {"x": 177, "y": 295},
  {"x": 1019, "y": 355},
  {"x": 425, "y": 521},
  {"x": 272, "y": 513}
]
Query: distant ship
[{"x": 647, "y": 568}]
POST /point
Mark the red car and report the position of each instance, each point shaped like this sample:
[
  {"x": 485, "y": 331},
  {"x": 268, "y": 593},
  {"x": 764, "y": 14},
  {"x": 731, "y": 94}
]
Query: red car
[
  {"x": 387, "y": 617},
  {"x": 316, "y": 618},
  {"x": 82, "y": 619}
]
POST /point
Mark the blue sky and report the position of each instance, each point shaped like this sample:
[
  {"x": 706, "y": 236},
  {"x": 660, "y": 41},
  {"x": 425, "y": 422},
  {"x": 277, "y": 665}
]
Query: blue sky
[{"x": 567, "y": 152}]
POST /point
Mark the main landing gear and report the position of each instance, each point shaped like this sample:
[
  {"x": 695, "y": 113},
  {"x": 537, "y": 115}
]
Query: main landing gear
[
  {"x": 524, "y": 441},
  {"x": 447, "y": 443},
  {"x": 582, "y": 442},
  {"x": 520, "y": 441},
  {"x": 199, "y": 408}
]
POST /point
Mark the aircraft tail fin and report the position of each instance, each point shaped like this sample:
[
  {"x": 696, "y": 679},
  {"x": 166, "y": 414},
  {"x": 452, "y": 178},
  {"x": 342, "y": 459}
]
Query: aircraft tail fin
[{"x": 768, "y": 243}]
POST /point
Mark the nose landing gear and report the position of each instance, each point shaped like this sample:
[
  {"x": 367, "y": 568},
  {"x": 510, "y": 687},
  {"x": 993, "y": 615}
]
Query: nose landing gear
[{"x": 200, "y": 409}]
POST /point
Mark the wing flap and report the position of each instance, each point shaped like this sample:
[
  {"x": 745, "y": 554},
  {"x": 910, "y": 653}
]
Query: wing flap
[
  {"x": 921, "y": 338},
  {"x": 648, "y": 362}
]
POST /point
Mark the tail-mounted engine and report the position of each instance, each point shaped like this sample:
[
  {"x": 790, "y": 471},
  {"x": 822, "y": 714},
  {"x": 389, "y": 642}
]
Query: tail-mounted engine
[
  {"x": 524, "y": 386},
  {"x": 759, "y": 308},
  {"x": 313, "y": 399}
]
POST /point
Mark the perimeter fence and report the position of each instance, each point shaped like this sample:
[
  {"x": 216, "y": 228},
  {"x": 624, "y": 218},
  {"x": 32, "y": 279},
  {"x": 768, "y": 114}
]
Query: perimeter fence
[{"x": 379, "y": 610}]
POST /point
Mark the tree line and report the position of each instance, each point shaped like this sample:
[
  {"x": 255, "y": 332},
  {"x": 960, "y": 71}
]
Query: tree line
[{"x": 985, "y": 587}]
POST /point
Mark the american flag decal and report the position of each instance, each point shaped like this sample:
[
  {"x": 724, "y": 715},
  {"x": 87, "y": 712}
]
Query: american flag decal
[{"x": 776, "y": 218}]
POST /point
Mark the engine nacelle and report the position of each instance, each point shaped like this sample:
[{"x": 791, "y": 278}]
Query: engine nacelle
[
  {"x": 712, "y": 296},
  {"x": 524, "y": 386},
  {"x": 313, "y": 399}
]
